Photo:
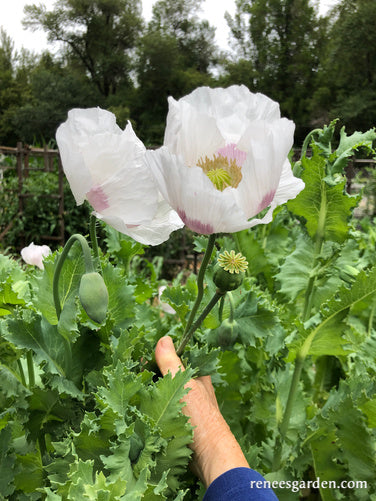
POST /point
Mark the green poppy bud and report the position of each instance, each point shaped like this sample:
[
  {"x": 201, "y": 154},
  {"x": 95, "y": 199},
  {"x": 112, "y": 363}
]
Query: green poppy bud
[
  {"x": 93, "y": 295},
  {"x": 224, "y": 336},
  {"x": 227, "y": 333}
]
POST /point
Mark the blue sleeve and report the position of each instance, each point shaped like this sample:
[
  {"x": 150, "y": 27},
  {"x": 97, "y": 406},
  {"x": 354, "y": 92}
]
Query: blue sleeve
[{"x": 239, "y": 484}]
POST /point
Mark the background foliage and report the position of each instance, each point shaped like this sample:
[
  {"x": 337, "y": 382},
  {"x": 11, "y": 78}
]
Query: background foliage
[{"x": 318, "y": 68}]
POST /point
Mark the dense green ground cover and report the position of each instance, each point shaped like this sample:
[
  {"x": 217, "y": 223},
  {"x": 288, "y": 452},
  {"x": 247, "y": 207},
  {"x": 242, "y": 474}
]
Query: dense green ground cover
[{"x": 82, "y": 417}]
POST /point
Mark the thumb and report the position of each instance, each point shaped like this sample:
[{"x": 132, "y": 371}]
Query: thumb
[{"x": 166, "y": 357}]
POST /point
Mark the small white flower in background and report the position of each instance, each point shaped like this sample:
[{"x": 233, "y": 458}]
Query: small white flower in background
[
  {"x": 165, "y": 306},
  {"x": 34, "y": 254},
  {"x": 106, "y": 166},
  {"x": 224, "y": 159}
]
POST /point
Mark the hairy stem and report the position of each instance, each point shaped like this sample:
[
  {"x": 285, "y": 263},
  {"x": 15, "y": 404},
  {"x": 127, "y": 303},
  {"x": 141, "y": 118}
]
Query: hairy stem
[
  {"x": 187, "y": 336},
  {"x": 93, "y": 238},
  {"x": 288, "y": 410},
  {"x": 200, "y": 281},
  {"x": 21, "y": 371},
  {"x": 30, "y": 368}
]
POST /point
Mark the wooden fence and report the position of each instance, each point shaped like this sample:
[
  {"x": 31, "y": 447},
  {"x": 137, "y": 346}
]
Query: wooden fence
[{"x": 51, "y": 162}]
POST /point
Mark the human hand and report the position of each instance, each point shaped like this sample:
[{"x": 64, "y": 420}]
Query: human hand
[{"x": 214, "y": 446}]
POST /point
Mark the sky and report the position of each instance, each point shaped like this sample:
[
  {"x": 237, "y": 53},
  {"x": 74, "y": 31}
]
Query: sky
[{"x": 11, "y": 15}]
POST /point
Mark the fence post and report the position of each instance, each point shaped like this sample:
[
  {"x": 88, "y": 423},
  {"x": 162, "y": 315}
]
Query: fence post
[{"x": 19, "y": 157}]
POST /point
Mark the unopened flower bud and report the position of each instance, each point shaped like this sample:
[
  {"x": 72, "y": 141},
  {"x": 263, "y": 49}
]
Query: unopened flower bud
[
  {"x": 93, "y": 295},
  {"x": 227, "y": 333}
]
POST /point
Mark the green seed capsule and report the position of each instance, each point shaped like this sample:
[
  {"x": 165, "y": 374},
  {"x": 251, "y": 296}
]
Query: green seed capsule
[
  {"x": 226, "y": 281},
  {"x": 93, "y": 295}
]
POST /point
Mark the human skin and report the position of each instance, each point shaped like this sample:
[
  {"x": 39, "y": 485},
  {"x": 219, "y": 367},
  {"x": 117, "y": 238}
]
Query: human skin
[{"x": 215, "y": 449}]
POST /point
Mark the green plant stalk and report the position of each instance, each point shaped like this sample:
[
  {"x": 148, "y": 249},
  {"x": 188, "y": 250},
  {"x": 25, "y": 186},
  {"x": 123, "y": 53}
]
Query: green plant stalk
[
  {"x": 303, "y": 352},
  {"x": 220, "y": 309},
  {"x": 307, "y": 140},
  {"x": 186, "y": 337},
  {"x": 93, "y": 238},
  {"x": 21, "y": 371},
  {"x": 88, "y": 266},
  {"x": 232, "y": 306},
  {"x": 299, "y": 362},
  {"x": 200, "y": 281},
  {"x": 30, "y": 368}
]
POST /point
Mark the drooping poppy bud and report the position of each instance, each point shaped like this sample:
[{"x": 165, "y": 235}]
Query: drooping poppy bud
[{"x": 93, "y": 295}]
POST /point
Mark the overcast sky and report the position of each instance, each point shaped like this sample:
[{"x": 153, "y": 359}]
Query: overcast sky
[{"x": 11, "y": 14}]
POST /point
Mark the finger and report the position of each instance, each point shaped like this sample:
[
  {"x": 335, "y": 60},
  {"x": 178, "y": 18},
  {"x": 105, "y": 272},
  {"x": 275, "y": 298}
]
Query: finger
[{"x": 166, "y": 357}]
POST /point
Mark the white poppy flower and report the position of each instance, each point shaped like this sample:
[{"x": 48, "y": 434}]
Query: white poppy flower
[
  {"x": 106, "y": 166},
  {"x": 34, "y": 254},
  {"x": 224, "y": 159}
]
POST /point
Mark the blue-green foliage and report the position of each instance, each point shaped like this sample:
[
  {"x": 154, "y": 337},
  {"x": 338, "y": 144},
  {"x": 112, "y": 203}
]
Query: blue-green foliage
[{"x": 84, "y": 416}]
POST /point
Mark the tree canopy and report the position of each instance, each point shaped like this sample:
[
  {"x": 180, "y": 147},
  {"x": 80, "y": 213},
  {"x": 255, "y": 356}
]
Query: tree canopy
[{"x": 318, "y": 68}]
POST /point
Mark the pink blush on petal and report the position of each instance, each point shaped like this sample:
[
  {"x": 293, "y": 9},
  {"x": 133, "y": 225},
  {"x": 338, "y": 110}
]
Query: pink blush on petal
[
  {"x": 231, "y": 152},
  {"x": 266, "y": 201},
  {"x": 195, "y": 224},
  {"x": 98, "y": 198}
]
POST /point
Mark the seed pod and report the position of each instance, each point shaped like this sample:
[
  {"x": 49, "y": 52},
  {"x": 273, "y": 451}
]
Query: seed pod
[
  {"x": 93, "y": 295},
  {"x": 226, "y": 281}
]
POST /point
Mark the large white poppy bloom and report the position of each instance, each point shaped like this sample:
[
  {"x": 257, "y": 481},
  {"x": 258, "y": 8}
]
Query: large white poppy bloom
[
  {"x": 224, "y": 159},
  {"x": 106, "y": 166}
]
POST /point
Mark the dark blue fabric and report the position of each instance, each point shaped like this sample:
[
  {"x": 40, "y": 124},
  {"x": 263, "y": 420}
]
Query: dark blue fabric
[{"x": 235, "y": 485}]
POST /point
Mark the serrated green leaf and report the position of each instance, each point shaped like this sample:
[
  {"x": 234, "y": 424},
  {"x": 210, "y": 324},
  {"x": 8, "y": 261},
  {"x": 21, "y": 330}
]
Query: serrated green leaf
[
  {"x": 7, "y": 463},
  {"x": 30, "y": 476},
  {"x": 9, "y": 297},
  {"x": 121, "y": 246},
  {"x": 296, "y": 270},
  {"x": 327, "y": 337},
  {"x": 121, "y": 302},
  {"x": 348, "y": 145},
  {"x": 203, "y": 361},
  {"x": 325, "y": 209},
  {"x": 179, "y": 298},
  {"x": 69, "y": 282},
  {"x": 36, "y": 334},
  {"x": 122, "y": 385},
  {"x": 258, "y": 321},
  {"x": 161, "y": 403}
]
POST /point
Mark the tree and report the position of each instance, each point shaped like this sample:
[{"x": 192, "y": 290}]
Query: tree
[
  {"x": 98, "y": 35},
  {"x": 14, "y": 86},
  {"x": 54, "y": 89},
  {"x": 347, "y": 83},
  {"x": 281, "y": 39},
  {"x": 174, "y": 57}
]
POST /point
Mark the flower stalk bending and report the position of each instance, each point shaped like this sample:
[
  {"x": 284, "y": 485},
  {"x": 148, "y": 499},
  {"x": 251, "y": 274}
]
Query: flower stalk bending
[{"x": 93, "y": 292}]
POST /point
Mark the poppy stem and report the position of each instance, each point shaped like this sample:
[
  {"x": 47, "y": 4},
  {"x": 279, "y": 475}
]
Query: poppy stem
[
  {"x": 93, "y": 238},
  {"x": 88, "y": 266},
  {"x": 200, "y": 285},
  {"x": 187, "y": 336}
]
